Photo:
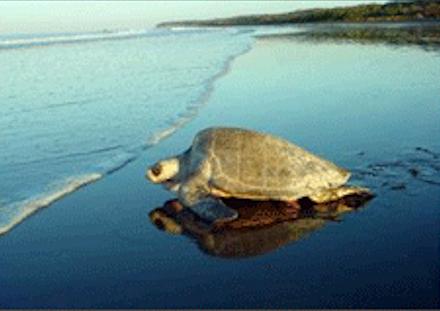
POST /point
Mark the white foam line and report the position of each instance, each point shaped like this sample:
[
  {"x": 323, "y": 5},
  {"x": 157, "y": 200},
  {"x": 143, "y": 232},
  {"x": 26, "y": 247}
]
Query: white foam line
[
  {"x": 63, "y": 39},
  {"x": 193, "y": 109},
  {"x": 32, "y": 206}
]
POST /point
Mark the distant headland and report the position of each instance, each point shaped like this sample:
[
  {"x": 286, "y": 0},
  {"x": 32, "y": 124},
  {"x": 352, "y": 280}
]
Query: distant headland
[{"x": 427, "y": 10}]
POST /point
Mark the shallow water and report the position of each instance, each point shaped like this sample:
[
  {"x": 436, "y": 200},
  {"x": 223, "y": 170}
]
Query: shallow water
[
  {"x": 370, "y": 108},
  {"x": 75, "y": 107}
]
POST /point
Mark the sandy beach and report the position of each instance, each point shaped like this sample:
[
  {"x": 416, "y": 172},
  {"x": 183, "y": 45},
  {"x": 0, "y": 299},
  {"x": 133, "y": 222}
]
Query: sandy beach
[{"x": 96, "y": 248}]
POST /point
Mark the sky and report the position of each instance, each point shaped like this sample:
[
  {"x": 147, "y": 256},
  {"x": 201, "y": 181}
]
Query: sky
[{"x": 61, "y": 16}]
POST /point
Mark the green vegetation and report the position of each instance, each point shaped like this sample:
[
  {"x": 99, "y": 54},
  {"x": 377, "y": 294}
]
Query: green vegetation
[
  {"x": 389, "y": 12},
  {"x": 426, "y": 36}
]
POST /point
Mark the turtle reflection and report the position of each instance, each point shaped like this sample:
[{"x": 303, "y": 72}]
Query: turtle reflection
[{"x": 263, "y": 226}]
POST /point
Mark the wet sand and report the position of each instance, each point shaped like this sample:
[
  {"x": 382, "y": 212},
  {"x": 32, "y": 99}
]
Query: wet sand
[{"x": 97, "y": 248}]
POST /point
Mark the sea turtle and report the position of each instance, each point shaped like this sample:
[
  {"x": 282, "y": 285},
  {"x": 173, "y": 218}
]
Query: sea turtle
[{"x": 232, "y": 162}]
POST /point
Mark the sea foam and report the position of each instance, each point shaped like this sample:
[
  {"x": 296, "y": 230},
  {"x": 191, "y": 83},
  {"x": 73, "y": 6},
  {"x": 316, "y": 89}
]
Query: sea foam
[{"x": 20, "y": 211}]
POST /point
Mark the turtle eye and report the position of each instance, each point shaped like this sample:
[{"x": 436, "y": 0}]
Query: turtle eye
[{"x": 156, "y": 170}]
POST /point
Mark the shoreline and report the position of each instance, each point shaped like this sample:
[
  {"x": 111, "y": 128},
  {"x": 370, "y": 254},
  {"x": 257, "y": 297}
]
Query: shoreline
[
  {"x": 423, "y": 35},
  {"x": 32, "y": 205}
]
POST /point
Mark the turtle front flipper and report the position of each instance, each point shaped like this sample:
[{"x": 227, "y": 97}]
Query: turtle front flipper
[
  {"x": 213, "y": 210},
  {"x": 195, "y": 195}
]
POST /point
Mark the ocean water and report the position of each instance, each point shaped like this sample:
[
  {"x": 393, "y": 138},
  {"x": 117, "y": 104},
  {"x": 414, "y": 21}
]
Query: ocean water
[{"x": 75, "y": 107}]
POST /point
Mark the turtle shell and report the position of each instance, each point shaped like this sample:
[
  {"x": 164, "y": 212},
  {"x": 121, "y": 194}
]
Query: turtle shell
[{"x": 252, "y": 165}]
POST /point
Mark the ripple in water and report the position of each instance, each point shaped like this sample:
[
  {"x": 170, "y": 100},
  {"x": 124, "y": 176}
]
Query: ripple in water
[{"x": 417, "y": 165}]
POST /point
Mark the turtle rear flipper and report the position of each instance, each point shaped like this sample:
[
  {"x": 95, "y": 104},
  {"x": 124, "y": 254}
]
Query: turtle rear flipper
[
  {"x": 336, "y": 194},
  {"x": 213, "y": 210}
]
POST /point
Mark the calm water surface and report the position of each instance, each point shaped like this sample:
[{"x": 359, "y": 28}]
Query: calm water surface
[{"x": 371, "y": 108}]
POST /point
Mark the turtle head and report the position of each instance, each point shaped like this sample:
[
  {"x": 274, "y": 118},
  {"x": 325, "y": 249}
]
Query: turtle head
[{"x": 163, "y": 171}]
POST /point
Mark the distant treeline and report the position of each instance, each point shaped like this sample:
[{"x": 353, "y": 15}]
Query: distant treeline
[
  {"x": 426, "y": 36},
  {"x": 389, "y": 12}
]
